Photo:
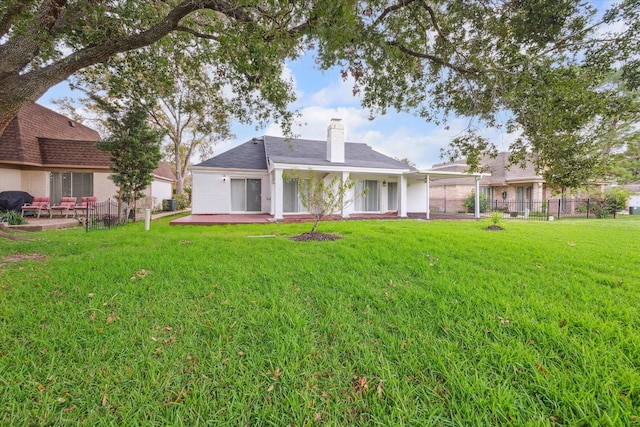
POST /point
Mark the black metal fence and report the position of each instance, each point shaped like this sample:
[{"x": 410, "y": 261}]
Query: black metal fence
[
  {"x": 529, "y": 210},
  {"x": 585, "y": 208},
  {"x": 103, "y": 215}
]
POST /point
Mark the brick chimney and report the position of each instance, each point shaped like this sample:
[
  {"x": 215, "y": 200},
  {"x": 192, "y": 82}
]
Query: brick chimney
[{"x": 335, "y": 141}]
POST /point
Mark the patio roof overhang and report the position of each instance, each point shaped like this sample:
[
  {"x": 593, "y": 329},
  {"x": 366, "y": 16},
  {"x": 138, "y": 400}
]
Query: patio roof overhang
[{"x": 429, "y": 175}]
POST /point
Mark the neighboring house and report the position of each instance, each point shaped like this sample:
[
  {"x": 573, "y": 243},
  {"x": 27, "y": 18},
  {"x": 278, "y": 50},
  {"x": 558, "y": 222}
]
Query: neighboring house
[
  {"x": 253, "y": 177},
  {"x": 162, "y": 186},
  {"x": 507, "y": 187},
  {"x": 634, "y": 200},
  {"x": 49, "y": 155},
  {"x": 262, "y": 176}
]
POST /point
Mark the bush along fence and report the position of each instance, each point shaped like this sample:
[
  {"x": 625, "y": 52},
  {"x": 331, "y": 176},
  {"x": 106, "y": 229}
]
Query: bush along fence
[
  {"x": 528, "y": 210},
  {"x": 103, "y": 215},
  {"x": 555, "y": 208}
]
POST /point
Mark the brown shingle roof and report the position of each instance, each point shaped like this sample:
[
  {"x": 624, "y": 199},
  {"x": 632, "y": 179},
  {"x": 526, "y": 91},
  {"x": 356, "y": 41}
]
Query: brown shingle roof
[
  {"x": 68, "y": 153},
  {"x": 19, "y": 143},
  {"x": 164, "y": 171},
  {"x": 497, "y": 167}
]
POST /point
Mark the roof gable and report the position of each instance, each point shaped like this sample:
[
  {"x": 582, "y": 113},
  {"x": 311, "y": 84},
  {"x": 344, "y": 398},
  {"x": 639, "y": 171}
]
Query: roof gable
[{"x": 165, "y": 171}]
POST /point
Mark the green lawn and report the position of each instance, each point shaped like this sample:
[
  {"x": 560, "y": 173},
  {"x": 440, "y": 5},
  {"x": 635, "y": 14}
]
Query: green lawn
[{"x": 398, "y": 323}]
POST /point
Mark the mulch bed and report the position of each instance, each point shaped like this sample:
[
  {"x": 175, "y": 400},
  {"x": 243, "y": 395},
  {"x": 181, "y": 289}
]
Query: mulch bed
[
  {"x": 306, "y": 237},
  {"x": 494, "y": 228}
]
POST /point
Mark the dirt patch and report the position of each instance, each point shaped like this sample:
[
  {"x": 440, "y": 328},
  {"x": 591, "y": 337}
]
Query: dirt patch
[
  {"x": 319, "y": 237},
  {"x": 494, "y": 228},
  {"x": 11, "y": 259}
]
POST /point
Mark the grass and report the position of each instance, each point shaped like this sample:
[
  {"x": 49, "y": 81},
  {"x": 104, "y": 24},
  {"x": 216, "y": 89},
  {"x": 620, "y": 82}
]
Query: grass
[{"x": 399, "y": 323}]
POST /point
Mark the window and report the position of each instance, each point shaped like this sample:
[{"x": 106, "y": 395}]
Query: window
[
  {"x": 487, "y": 192},
  {"x": 291, "y": 195},
  {"x": 370, "y": 202},
  {"x": 246, "y": 195},
  {"x": 523, "y": 198},
  {"x": 70, "y": 184},
  {"x": 392, "y": 196}
]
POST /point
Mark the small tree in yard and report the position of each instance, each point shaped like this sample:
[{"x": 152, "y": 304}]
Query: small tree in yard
[
  {"x": 321, "y": 197},
  {"x": 135, "y": 152}
]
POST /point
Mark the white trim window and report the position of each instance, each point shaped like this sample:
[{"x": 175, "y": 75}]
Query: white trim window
[
  {"x": 246, "y": 195},
  {"x": 370, "y": 202},
  {"x": 70, "y": 184}
]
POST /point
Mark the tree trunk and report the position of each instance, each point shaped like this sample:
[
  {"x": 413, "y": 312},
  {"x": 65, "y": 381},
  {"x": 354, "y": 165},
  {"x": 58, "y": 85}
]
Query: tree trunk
[
  {"x": 315, "y": 225},
  {"x": 179, "y": 183},
  {"x": 19, "y": 88},
  {"x": 17, "y": 92}
]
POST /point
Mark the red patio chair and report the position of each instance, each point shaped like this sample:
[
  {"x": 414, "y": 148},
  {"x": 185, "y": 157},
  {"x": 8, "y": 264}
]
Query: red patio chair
[
  {"x": 67, "y": 205},
  {"x": 38, "y": 205}
]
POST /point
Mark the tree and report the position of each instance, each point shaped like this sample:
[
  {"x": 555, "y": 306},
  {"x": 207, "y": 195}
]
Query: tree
[
  {"x": 536, "y": 68},
  {"x": 186, "y": 103},
  {"x": 43, "y": 42},
  {"x": 322, "y": 197},
  {"x": 134, "y": 151}
]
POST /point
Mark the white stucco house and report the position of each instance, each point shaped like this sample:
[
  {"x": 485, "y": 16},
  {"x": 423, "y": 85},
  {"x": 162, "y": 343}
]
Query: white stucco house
[{"x": 261, "y": 176}]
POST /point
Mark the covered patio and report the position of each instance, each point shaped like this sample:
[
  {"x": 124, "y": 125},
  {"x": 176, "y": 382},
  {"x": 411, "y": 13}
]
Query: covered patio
[{"x": 429, "y": 175}]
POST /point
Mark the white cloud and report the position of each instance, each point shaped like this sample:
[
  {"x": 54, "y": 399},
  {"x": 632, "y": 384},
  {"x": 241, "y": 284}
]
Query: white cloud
[
  {"x": 339, "y": 92},
  {"x": 313, "y": 122}
]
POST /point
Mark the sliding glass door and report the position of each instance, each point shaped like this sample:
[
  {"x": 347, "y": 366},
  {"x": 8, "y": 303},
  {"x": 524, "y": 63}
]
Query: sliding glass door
[{"x": 246, "y": 195}]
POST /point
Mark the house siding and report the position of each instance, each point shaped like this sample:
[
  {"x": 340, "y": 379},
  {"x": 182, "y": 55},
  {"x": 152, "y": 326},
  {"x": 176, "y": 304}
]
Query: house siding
[
  {"x": 103, "y": 187},
  {"x": 416, "y": 191},
  {"x": 10, "y": 179},
  {"x": 212, "y": 190}
]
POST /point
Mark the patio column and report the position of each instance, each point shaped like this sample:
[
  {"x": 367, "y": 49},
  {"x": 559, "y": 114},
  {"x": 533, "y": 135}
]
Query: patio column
[
  {"x": 477, "y": 204},
  {"x": 427, "y": 182},
  {"x": 402, "y": 202},
  {"x": 346, "y": 210},
  {"x": 278, "y": 194}
]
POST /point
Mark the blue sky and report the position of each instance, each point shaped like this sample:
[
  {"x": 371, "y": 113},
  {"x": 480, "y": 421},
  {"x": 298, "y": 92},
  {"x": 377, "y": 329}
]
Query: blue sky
[{"x": 324, "y": 95}]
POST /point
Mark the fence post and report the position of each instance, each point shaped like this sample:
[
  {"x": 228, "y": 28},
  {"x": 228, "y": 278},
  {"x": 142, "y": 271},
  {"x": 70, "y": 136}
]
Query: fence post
[
  {"x": 588, "y": 207},
  {"x": 559, "y": 207}
]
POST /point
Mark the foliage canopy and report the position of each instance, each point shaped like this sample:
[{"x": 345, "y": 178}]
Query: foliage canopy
[{"x": 538, "y": 69}]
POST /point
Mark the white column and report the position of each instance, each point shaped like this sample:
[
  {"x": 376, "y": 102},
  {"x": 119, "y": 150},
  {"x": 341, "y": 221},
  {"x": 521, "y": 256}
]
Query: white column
[
  {"x": 427, "y": 182},
  {"x": 477, "y": 204},
  {"x": 402, "y": 197},
  {"x": 278, "y": 194},
  {"x": 346, "y": 210}
]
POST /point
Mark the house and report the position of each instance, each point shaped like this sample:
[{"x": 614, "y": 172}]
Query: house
[
  {"x": 161, "y": 187},
  {"x": 49, "y": 155},
  {"x": 263, "y": 174},
  {"x": 507, "y": 187}
]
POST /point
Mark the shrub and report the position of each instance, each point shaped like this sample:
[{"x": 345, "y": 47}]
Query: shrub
[
  {"x": 620, "y": 195},
  {"x": 12, "y": 217},
  {"x": 470, "y": 203},
  {"x": 496, "y": 216},
  {"x": 182, "y": 201}
]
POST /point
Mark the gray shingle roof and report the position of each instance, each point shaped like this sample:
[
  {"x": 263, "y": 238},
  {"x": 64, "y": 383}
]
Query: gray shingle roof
[
  {"x": 298, "y": 151},
  {"x": 249, "y": 155}
]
